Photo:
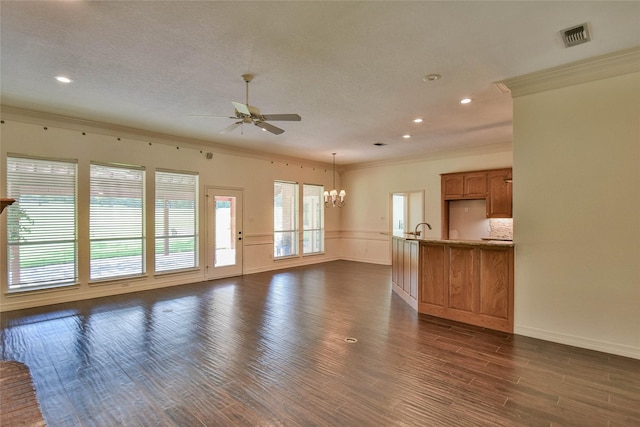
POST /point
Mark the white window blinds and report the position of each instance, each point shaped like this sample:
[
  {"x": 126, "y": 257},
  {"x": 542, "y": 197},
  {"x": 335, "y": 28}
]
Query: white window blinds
[
  {"x": 41, "y": 224},
  {"x": 312, "y": 219},
  {"x": 116, "y": 221},
  {"x": 285, "y": 219},
  {"x": 176, "y": 221}
]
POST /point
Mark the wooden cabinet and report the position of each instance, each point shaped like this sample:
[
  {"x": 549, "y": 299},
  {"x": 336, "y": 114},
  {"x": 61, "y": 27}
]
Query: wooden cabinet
[
  {"x": 433, "y": 277},
  {"x": 470, "y": 283},
  {"x": 452, "y": 186},
  {"x": 405, "y": 269},
  {"x": 494, "y": 186},
  {"x": 468, "y": 185},
  {"x": 495, "y": 286},
  {"x": 499, "y": 198}
]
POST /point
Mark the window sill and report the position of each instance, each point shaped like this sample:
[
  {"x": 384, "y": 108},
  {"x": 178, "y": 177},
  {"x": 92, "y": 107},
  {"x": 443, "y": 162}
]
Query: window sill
[
  {"x": 117, "y": 280},
  {"x": 314, "y": 254},
  {"x": 40, "y": 290},
  {"x": 176, "y": 272},
  {"x": 285, "y": 258}
]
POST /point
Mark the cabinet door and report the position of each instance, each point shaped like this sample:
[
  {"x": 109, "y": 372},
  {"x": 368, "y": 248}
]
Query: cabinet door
[
  {"x": 453, "y": 186},
  {"x": 462, "y": 264},
  {"x": 407, "y": 265},
  {"x": 494, "y": 283},
  {"x": 415, "y": 270},
  {"x": 433, "y": 277},
  {"x": 395, "y": 263},
  {"x": 499, "y": 200},
  {"x": 475, "y": 185}
]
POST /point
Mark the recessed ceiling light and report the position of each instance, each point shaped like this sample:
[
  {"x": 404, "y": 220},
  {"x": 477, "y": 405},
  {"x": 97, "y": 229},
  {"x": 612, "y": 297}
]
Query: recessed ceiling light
[
  {"x": 63, "y": 79},
  {"x": 417, "y": 120},
  {"x": 406, "y": 136},
  {"x": 465, "y": 100},
  {"x": 431, "y": 77}
]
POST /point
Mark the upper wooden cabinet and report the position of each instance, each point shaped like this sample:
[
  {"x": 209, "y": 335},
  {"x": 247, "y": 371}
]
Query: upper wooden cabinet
[
  {"x": 499, "y": 199},
  {"x": 492, "y": 185},
  {"x": 468, "y": 185}
]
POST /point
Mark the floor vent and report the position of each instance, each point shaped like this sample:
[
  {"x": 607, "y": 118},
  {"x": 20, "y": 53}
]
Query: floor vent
[{"x": 576, "y": 35}]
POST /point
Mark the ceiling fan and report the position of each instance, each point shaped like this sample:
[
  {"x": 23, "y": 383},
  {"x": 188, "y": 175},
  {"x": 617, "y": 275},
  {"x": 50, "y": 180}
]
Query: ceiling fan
[{"x": 245, "y": 113}]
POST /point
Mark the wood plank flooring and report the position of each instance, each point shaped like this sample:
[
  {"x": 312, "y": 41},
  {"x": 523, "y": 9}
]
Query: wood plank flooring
[{"x": 269, "y": 349}]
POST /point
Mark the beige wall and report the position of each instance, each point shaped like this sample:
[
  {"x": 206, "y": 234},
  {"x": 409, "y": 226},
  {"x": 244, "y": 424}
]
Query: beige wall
[
  {"x": 360, "y": 231},
  {"x": 577, "y": 214},
  {"x": 366, "y": 218},
  {"x": 254, "y": 175},
  {"x": 576, "y": 159}
]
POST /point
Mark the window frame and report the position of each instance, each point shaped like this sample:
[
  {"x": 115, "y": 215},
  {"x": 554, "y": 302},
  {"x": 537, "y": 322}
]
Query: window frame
[
  {"x": 195, "y": 223},
  {"x": 66, "y": 221},
  {"x": 141, "y": 225},
  {"x": 279, "y": 250},
  {"x": 307, "y": 218}
]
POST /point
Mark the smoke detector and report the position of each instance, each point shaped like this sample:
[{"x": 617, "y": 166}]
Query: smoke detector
[{"x": 576, "y": 35}]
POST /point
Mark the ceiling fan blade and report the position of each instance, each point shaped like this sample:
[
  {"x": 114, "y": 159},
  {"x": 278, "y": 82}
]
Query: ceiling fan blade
[
  {"x": 241, "y": 108},
  {"x": 231, "y": 127},
  {"x": 269, "y": 128},
  {"x": 282, "y": 117}
]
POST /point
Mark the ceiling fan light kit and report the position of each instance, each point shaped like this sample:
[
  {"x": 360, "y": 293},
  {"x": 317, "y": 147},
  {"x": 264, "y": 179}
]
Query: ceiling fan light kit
[
  {"x": 334, "y": 197},
  {"x": 248, "y": 114}
]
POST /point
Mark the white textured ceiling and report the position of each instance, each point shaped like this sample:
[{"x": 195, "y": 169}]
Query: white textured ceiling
[{"x": 352, "y": 70}]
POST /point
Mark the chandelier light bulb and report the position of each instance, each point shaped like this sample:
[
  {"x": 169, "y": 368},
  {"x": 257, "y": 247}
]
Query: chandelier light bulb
[{"x": 334, "y": 198}]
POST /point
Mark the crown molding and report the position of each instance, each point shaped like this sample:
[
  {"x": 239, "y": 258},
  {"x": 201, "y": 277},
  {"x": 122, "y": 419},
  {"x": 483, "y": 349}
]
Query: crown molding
[
  {"x": 42, "y": 118},
  {"x": 499, "y": 147},
  {"x": 596, "y": 68}
]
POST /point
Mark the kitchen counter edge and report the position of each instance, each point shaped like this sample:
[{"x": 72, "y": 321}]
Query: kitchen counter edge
[{"x": 501, "y": 243}]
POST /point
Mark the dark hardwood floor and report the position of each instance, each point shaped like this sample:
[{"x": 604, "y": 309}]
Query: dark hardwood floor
[{"x": 270, "y": 349}]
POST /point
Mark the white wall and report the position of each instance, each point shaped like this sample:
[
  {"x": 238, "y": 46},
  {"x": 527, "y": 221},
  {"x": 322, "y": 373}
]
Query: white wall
[
  {"x": 366, "y": 217},
  {"x": 253, "y": 174},
  {"x": 576, "y": 193}
]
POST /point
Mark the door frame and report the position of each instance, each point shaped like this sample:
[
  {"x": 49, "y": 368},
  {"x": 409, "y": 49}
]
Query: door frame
[{"x": 211, "y": 272}]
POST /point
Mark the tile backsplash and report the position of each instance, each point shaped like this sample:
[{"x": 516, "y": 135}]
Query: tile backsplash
[{"x": 501, "y": 228}]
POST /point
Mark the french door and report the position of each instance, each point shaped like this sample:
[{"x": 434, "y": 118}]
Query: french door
[{"x": 224, "y": 233}]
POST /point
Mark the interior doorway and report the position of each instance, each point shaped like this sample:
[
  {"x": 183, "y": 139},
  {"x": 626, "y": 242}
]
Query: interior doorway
[
  {"x": 224, "y": 233},
  {"x": 407, "y": 210}
]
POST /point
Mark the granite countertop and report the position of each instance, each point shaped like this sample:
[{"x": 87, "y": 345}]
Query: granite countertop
[{"x": 506, "y": 243}]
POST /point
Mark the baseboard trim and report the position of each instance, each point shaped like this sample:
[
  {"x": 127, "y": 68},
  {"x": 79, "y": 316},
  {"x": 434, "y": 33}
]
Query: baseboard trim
[{"x": 578, "y": 341}]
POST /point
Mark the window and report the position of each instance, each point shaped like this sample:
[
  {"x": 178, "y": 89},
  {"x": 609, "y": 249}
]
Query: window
[
  {"x": 285, "y": 219},
  {"x": 41, "y": 224},
  {"x": 116, "y": 221},
  {"x": 399, "y": 214},
  {"x": 407, "y": 212},
  {"x": 176, "y": 218},
  {"x": 312, "y": 219}
]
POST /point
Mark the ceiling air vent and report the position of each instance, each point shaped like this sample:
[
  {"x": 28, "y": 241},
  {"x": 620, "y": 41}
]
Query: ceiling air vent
[{"x": 576, "y": 35}]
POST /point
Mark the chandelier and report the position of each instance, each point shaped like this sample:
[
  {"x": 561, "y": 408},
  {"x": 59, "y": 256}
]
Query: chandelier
[{"x": 334, "y": 198}]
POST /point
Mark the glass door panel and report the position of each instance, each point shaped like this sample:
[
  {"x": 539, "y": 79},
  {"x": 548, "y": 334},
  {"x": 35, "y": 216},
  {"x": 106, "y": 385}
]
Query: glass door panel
[{"x": 224, "y": 233}]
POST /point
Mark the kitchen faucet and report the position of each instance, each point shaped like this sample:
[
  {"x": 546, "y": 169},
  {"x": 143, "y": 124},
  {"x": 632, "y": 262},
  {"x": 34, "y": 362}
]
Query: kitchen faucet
[{"x": 416, "y": 232}]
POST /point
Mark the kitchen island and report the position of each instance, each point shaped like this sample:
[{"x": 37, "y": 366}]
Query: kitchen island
[{"x": 467, "y": 281}]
